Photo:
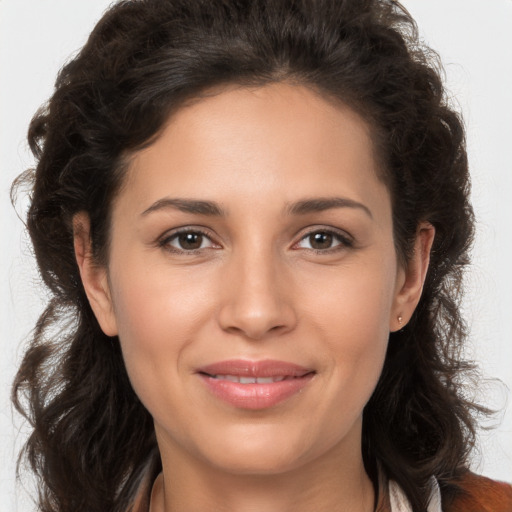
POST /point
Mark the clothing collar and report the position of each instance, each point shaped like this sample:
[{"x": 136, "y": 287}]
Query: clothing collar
[{"x": 393, "y": 499}]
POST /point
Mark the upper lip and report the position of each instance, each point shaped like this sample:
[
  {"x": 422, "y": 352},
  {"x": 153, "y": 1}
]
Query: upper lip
[{"x": 264, "y": 368}]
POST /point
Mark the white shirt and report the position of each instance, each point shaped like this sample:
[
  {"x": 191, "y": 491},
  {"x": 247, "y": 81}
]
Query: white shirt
[{"x": 400, "y": 503}]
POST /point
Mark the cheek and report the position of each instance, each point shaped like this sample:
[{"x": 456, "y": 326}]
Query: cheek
[
  {"x": 351, "y": 314},
  {"x": 158, "y": 315},
  {"x": 352, "y": 304},
  {"x": 153, "y": 304}
]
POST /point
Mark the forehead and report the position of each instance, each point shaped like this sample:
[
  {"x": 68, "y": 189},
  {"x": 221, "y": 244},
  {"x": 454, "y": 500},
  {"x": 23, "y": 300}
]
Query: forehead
[{"x": 277, "y": 141}]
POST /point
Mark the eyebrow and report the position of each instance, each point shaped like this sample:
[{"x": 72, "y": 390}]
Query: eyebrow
[
  {"x": 211, "y": 208},
  {"x": 321, "y": 204},
  {"x": 187, "y": 206}
]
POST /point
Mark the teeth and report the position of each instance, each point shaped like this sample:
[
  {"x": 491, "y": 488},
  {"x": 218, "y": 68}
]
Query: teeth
[
  {"x": 263, "y": 380},
  {"x": 249, "y": 380}
]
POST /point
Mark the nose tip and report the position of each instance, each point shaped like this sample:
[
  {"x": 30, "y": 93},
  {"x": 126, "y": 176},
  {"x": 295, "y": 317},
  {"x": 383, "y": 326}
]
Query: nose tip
[
  {"x": 255, "y": 308},
  {"x": 254, "y": 326}
]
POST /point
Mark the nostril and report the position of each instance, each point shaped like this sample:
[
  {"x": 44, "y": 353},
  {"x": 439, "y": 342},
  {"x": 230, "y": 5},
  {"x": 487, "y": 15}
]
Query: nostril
[{"x": 256, "y": 315}]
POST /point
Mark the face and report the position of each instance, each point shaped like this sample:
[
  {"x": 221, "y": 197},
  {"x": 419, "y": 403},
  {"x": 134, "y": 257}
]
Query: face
[{"x": 253, "y": 279}]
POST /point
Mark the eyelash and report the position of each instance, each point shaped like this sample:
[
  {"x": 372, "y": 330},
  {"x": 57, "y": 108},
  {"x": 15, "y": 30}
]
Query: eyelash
[
  {"x": 343, "y": 240},
  {"x": 165, "y": 241}
]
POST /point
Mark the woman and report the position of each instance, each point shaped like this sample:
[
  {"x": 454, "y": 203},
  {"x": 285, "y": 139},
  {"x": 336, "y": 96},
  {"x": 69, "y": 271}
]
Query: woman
[{"x": 253, "y": 218}]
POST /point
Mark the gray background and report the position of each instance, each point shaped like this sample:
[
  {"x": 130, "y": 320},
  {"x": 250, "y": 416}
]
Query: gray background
[{"x": 36, "y": 38}]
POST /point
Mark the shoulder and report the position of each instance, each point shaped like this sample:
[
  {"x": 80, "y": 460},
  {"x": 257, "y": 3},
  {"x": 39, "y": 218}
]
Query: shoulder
[{"x": 480, "y": 494}]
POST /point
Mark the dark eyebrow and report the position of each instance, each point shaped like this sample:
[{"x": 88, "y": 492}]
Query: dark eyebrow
[
  {"x": 299, "y": 208},
  {"x": 321, "y": 204},
  {"x": 187, "y": 206}
]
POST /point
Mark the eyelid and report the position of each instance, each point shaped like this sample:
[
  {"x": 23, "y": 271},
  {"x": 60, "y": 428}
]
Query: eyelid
[
  {"x": 345, "y": 239},
  {"x": 163, "y": 240}
]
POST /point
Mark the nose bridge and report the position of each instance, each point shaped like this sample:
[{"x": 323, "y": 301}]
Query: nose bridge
[{"x": 256, "y": 302}]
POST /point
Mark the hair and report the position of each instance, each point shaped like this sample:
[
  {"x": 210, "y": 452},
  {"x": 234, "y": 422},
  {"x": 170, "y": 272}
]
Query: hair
[{"x": 92, "y": 440}]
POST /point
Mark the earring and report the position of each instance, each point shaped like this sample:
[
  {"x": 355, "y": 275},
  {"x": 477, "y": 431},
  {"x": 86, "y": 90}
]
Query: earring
[{"x": 400, "y": 319}]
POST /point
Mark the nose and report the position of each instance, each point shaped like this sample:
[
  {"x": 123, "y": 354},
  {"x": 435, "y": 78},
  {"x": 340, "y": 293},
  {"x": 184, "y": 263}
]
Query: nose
[{"x": 257, "y": 298}]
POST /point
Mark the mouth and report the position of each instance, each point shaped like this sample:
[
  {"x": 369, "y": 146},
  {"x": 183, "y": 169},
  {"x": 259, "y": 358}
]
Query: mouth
[
  {"x": 255, "y": 384},
  {"x": 251, "y": 380}
]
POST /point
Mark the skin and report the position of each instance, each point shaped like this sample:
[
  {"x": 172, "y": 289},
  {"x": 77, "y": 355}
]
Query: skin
[{"x": 259, "y": 287}]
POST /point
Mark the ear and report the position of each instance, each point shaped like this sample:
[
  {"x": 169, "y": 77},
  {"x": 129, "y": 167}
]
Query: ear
[
  {"x": 94, "y": 277},
  {"x": 411, "y": 278}
]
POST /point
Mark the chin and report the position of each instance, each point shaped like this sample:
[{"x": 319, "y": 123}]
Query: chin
[
  {"x": 256, "y": 464},
  {"x": 263, "y": 452}
]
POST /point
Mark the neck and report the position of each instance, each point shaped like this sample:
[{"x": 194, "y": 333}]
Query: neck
[{"x": 325, "y": 484}]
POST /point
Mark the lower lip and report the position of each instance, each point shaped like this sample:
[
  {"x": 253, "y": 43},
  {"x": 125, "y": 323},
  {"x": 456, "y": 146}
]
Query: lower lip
[{"x": 256, "y": 396}]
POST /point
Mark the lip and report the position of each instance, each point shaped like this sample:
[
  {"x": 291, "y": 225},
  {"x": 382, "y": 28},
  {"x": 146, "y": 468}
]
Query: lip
[{"x": 290, "y": 379}]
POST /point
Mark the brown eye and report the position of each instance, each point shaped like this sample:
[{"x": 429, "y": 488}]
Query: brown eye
[
  {"x": 324, "y": 241},
  {"x": 190, "y": 241},
  {"x": 320, "y": 240},
  {"x": 187, "y": 241}
]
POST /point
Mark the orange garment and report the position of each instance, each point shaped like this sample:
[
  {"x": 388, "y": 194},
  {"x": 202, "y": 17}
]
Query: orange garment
[{"x": 481, "y": 494}]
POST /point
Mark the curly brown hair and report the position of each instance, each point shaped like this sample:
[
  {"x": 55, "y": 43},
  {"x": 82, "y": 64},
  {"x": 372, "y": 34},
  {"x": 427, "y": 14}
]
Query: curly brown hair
[{"x": 143, "y": 60}]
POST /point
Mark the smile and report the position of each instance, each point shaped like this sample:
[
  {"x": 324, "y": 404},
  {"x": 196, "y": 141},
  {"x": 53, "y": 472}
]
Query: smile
[
  {"x": 250, "y": 380},
  {"x": 255, "y": 385}
]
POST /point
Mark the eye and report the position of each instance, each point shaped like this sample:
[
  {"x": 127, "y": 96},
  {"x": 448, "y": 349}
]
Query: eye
[
  {"x": 324, "y": 240},
  {"x": 189, "y": 240}
]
